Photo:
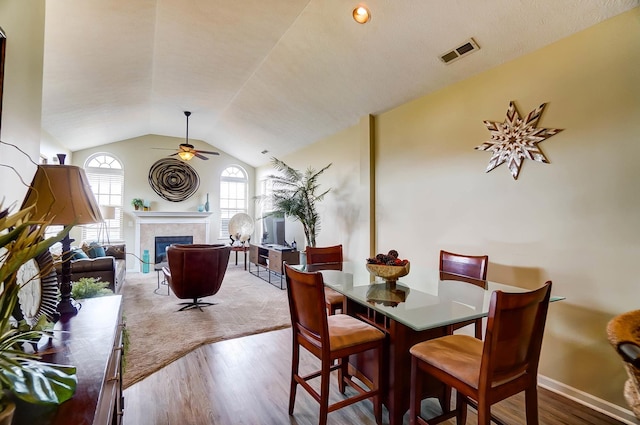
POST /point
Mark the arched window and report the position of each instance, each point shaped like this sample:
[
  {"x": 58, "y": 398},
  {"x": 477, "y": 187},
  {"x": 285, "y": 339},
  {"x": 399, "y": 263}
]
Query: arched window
[
  {"x": 106, "y": 177},
  {"x": 234, "y": 190}
]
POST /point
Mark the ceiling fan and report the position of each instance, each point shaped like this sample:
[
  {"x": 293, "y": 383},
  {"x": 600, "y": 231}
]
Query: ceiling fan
[{"x": 187, "y": 151}]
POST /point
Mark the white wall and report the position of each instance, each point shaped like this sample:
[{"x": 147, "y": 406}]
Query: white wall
[{"x": 23, "y": 24}]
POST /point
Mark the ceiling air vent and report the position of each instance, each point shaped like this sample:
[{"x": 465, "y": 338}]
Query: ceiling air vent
[{"x": 466, "y": 48}]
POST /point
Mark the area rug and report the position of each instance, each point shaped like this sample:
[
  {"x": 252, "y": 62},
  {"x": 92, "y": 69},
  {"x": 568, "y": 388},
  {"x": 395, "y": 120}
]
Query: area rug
[{"x": 160, "y": 334}]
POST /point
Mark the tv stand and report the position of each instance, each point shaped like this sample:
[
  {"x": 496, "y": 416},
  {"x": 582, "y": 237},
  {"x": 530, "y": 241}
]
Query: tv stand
[{"x": 269, "y": 258}]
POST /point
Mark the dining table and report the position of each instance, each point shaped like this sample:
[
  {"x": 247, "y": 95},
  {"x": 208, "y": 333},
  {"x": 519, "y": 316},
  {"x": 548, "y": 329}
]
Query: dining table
[{"x": 417, "y": 307}]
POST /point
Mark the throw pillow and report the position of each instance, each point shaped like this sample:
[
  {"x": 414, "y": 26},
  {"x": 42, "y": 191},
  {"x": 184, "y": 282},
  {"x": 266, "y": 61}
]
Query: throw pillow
[
  {"x": 78, "y": 254},
  {"x": 95, "y": 250}
]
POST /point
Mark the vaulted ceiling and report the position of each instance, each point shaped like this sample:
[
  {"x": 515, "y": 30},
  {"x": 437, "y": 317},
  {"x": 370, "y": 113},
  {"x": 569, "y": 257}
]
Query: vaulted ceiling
[{"x": 272, "y": 75}]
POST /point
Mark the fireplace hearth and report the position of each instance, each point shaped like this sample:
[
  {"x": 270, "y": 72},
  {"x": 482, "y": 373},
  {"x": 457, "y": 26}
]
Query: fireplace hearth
[{"x": 162, "y": 242}]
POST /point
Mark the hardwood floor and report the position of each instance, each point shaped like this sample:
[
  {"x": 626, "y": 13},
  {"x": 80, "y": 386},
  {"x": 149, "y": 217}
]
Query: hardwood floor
[{"x": 246, "y": 381}]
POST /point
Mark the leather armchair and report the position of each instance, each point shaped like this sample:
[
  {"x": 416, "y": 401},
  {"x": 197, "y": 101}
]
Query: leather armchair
[{"x": 196, "y": 271}]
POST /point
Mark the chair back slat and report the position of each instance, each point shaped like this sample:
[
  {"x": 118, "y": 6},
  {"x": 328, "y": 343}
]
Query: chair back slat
[
  {"x": 467, "y": 268},
  {"x": 306, "y": 302},
  {"x": 327, "y": 254},
  {"x": 513, "y": 338}
]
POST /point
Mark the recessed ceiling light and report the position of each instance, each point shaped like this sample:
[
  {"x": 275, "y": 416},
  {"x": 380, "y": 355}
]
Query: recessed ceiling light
[{"x": 361, "y": 15}]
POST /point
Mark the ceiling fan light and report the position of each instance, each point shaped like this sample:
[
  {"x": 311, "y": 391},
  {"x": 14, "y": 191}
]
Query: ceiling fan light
[
  {"x": 361, "y": 15},
  {"x": 186, "y": 155}
]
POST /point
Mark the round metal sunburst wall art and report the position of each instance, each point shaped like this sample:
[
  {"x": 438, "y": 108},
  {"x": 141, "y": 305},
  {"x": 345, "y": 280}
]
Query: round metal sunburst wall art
[{"x": 173, "y": 180}]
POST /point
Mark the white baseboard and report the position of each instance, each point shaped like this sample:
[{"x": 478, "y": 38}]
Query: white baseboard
[{"x": 619, "y": 413}]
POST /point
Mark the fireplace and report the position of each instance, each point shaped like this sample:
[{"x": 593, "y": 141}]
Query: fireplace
[
  {"x": 162, "y": 242},
  {"x": 168, "y": 223}
]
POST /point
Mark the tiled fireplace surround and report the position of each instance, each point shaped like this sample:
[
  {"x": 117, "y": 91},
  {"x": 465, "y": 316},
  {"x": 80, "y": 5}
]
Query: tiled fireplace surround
[{"x": 150, "y": 224}]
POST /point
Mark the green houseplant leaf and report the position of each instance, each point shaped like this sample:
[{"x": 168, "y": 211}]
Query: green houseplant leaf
[
  {"x": 43, "y": 383},
  {"x": 22, "y": 373},
  {"x": 294, "y": 195}
]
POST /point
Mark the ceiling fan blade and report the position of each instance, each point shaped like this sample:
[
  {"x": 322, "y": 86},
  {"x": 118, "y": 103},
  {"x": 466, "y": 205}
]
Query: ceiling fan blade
[
  {"x": 174, "y": 154},
  {"x": 200, "y": 156},
  {"x": 164, "y": 149},
  {"x": 210, "y": 152}
]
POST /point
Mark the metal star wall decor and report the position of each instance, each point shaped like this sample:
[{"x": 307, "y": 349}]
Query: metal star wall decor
[{"x": 515, "y": 140}]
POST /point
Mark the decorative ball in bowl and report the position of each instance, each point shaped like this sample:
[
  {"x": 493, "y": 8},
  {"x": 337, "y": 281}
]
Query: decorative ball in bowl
[{"x": 390, "y": 274}]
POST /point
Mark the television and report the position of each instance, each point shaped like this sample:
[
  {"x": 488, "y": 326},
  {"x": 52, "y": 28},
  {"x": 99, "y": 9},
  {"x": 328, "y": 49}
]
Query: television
[{"x": 273, "y": 231}]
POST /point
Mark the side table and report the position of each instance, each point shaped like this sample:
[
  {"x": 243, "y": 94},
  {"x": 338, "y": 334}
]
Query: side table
[
  {"x": 158, "y": 268},
  {"x": 244, "y": 249}
]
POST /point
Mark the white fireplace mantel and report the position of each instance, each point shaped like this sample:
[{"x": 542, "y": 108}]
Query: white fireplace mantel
[
  {"x": 150, "y": 216},
  {"x": 185, "y": 222}
]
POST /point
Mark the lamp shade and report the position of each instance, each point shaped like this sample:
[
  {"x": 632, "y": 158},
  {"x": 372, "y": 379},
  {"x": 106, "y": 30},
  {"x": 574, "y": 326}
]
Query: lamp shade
[
  {"x": 186, "y": 155},
  {"x": 62, "y": 194},
  {"x": 108, "y": 212}
]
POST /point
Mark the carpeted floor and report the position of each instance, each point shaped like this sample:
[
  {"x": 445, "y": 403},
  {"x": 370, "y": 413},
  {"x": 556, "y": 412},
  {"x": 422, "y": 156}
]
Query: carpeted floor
[{"x": 159, "y": 334}]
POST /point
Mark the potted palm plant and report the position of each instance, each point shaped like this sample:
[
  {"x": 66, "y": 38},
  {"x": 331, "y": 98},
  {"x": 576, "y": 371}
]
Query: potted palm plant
[
  {"x": 294, "y": 195},
  {"x": 22, "y": 374}
]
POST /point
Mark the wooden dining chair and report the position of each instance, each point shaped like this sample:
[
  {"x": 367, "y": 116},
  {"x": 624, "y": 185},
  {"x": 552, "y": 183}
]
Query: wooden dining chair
[
  {"x": 484, "y": 373},
  {"x": 332, "y": 339},
  {"x": 465, "y": 268},
  {"x": 329, "y": 257}
]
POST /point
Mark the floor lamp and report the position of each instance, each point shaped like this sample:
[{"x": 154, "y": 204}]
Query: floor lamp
[
  {"x": 108, "y": 213},
  {"x": 62, "y": 196}
]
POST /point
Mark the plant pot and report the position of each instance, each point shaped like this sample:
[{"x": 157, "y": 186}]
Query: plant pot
[
  {"x": 136, "y": 207},
  {"x": 6, "y": 415}
]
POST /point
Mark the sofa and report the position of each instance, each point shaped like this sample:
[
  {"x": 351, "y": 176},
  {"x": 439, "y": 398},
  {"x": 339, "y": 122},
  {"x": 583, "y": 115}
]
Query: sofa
[{"x": 110, "y": 267}]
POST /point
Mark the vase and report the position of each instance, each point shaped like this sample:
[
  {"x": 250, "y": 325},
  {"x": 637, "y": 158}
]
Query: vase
[
  {"x": 61, "y": 157},
  {"x": 145, "y": 261},
  {"x": 206, "y": 204}
]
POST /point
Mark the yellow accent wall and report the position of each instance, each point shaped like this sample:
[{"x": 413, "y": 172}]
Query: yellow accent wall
[{"x": 574, "y": 221}]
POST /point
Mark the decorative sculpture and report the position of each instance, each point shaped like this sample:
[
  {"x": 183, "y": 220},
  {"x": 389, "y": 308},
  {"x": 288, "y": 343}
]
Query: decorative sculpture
[
  {"x": 516, "y": 139},
  {"x": 173, "y": 180}
]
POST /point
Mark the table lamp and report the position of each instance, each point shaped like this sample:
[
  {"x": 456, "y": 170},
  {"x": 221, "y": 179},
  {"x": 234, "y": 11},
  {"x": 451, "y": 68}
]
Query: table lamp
[{"x": 62, "y": 195}]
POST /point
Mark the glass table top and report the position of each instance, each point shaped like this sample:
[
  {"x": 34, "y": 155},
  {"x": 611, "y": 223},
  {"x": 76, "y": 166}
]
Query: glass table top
[{"x": 419, "y": 300}]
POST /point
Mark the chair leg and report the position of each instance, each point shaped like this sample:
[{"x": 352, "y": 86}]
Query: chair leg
[
  {"x": 484, "y": 412},
  {"x": 325, "y": 375},
  {"x": 295, "y": 358},
  {"x": 531, "y": 405},
  {"x": 343, "y": 373},
  {"x": 445, "y": 401},
  {"x": 377, "y": 379},
  {"x": 195, "y": 304},
  {"x": 479, "y": 328},
  {"x": 461, "y": 407},
  {"x": 416, "y": 390}
]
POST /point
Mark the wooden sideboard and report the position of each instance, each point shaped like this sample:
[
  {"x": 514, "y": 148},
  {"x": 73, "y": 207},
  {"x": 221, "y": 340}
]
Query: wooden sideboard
[
  {"x": 92, "y": 342},
  {"x": 270, "y": 259}
]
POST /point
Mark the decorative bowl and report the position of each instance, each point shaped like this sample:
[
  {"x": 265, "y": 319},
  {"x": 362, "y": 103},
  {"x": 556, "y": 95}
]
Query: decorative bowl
[{"x": 390, "y": 274}]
